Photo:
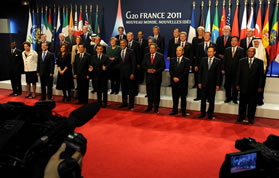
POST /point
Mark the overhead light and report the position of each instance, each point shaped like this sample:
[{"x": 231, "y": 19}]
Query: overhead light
[{"x": 25, "y": 3}]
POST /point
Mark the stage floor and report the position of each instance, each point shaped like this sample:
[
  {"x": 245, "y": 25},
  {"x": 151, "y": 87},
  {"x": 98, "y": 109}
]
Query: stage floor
[{"x": 134, "y": 144}]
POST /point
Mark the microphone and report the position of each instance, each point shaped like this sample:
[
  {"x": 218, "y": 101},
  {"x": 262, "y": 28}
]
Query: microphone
[{"x": 82, "y": 115}]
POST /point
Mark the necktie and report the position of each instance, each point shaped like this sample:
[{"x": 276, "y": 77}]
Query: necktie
[
  {"x": 121, "y": 37},
  {"x": 225, "y": 40},
  {"x": 205, "y": 50},
  {"x": 209, "y": 63},
  {"x": 250, "y": 63},
  {"x": 152, "y": 58},
  {"x": 99, "y": 56},
  {"x": 140, "y": 42},
  {"x": 248, "y": 42},
  {"x": 130, "y": 44},
  {"x": 233, "y": 52},
  {"x": 182, "y": 44},
  {"x": 44, "y": 55},
  {"x": 122, "y": 55},
  {"x": 176, "y": 40},
  {"x": 80, "y": 56}
]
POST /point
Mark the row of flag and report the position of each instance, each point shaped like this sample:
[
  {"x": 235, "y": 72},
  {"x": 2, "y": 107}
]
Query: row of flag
[
  {"x": 269, "y": 38},
  {"x": 62, "y": 19}
]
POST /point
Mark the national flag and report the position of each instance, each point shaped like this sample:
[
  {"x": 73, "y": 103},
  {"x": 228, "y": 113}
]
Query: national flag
[
  {"x": 59, "y": 26},
  {"x": 80, "y": 23},
  {"x": 251, "y": 23},
  {"x": 54, "y": 28},
  {"x": 38, "y": 25},
  {"x": 258, "y": 27},
  {"x": 49, "y": 27},
  {"x": 265, "y": 30},
  {"x": 228, "y": 20},
  {"x": 65, "y": 28},
  {"x": 75, "y": 22},
  {"x": 215, "y": 26},
  {"x": 90, "y": 20},
  {"x": 45, "y": 22},
  {"x": 29, "y": 28},
  {"x": 192, "y": 28},
  {"x": 223, "y": 20},
  {"x": 42, "y": 21},
  {"x": 277, "y": 54},
  {"x": 207, "y": 23},
  {"x": 97, "y": 27},
  {"x": 33, "y": 30},
  {"x": 86, "y": 17},
  {"x": 243, "y": 24},
  {"x": 235, "y": 26},
  {"x": 201, "y": 16},
  {"x": 71, "y": 22},
  {"x": 274, "y": 34}
]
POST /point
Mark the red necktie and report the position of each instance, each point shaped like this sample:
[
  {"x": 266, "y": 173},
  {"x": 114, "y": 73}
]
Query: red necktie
[
  {"x": 248, "y": 42},
  {"x": 225, "y": 41},
  {"x": 152, "y": 58}
]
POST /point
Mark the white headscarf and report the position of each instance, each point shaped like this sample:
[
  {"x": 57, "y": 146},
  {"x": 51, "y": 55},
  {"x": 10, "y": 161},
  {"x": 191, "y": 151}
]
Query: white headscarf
[{"x": 260, "y": 51}]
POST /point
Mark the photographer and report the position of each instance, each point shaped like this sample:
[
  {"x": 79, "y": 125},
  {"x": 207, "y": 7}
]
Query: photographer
[{"x": 51, "y": 170}]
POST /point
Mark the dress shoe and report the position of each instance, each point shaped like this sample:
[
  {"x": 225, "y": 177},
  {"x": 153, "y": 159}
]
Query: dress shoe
[
  {"x": 18, "y": 94},
  {"x": 173, "y": 113},
  {"x": 112, "y": 92},
  {"x": 42, "y": 99},
  {"x": 251, "y": 121},
  {"x": 156, "y": 110},
  {"x": 131, "y": 108},
  {"x": 260, "y": 103},
  {"x": 240, "y": 120},
  {"x": 145, "y": 96},
  {"x": 50, "y": 99},
  {"x": 210, "y": 117},
  {"x": 197, "y": 99},
  {"x": 12, "y": 94},
  {"x": 116, "y": 93},
  {"x": 183, "y": 114},
  {"x": 148, "y": 110},
  {"x": 235, "y": 102},
  {"x": 227, "y": 101},
  {"x": 201, "y": 116},
  {"x": 123, "y": 106},
  {"x": 93, "y": 91},
  {"x": 104, "y": 105}
]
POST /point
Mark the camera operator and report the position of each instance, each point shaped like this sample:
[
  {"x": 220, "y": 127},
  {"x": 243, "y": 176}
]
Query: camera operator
[{"x": 51, "y": 170}]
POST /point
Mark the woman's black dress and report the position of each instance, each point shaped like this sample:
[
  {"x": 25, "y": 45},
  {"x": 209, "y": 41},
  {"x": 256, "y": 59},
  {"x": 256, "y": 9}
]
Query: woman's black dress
[{"x": 65, "y": 81}]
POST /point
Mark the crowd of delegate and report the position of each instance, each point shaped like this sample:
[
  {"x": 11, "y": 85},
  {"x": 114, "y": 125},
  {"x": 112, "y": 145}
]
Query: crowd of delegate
[{"x": 128, "y": 62}]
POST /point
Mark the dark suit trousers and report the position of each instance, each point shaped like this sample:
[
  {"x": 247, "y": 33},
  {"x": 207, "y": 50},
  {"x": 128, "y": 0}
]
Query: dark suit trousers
[
  {"x": 114, "y": 80},
  {"x": 102, "y": 90},
  {"x": 231, "y": 91},
  {"x": 16, "y": 83},
  {"x": 208, "y": 93},
  {"x": 261, "y": 94},
  {"x": 153, "y": 95},
  {"x": 176, "y": 93},
  {"x": 196, "y": 78},
  {"x": 46, "y": 82},
  {"x": 82, "y": 87},
  {"x": 127, "y": 88},
  {"x": 247, "y": 100}
]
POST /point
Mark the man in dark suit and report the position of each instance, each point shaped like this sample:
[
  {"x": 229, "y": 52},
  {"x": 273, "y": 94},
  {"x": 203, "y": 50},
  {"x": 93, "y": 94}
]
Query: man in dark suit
[
  {"x": 127, "y": 68},
  {"x": 45, "y": 70},
  {"x": 209, "y": 81},
  {"x": 250, "y": 81},
  {"x": 71, "y": 38},
  {"x": 15, "y": 66},
  {"x": 160, "y": 40},
  {"x": 39, "y": 44},
  {"x": 201, "y": 53},
  {"x": 173, "y": 43},
  {"x": 86, "y": 37},
  {"x": 143, "y": 44},
  {"x": 100, "y": 63},
  {"x": 59, "y": 44},
  {"x": 82, "y": 68},
  {"x": 246, "y": 43},
  {"x": 229, "y": 67},
  {"x": 179, "y": 71},
  {"x": 134, "y": 45},
  {"x": 186, "y": 46},
  {"x": 223, "y": 41},
  {"x": 153, "y": 65},
  {"x": 121, "y": 35}
]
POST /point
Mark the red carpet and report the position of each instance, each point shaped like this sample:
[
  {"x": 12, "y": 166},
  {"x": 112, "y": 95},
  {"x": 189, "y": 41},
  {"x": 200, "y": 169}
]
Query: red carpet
[{"x": 133, "y": 144}]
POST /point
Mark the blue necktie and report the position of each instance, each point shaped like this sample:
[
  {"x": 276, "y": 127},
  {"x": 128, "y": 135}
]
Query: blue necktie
[
  {"x": 122, "y": 56},
  {"x": 209, "y": 63},
  {"x": 205, "y": 48},
  {"x": 44, "y": 55}
]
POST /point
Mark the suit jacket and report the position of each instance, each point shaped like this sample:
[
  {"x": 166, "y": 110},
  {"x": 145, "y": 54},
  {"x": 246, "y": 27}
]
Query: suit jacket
[
  {"x": 161, "y": 43},
  {"x": 220, "y": 44},
  {"x": 243, "y": 44},
  {"x": 86, "y": 41},
  {"x": 172, "y": 47},
  {"x": 128, "y": 66},
  {"x": 39, "y": 47},
  {"x": 71, "y": 41},
  {"x": 188, "y": 51},
  {"x": 81, "y": 65},
  {"x": 136, "y": 48},
  {"x": 201, "y": 53},
  {"x": 230, "y": 64},
  {"x": 212, "y": 77},
  {"x": 143, "y": 45},
  {"x": 180, "y": 70},
  {"x": 248, "y": 79},
  {"x": 97, "y": 64},
  {"x": 15, "y": 62},
  {"x": 158, "y": 64},
  {"x": 46, "y": 67},
  {"x": 118, "y": 38}
]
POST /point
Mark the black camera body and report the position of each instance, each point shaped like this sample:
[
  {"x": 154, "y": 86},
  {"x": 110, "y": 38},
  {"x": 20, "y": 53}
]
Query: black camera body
[
  {"x": 256, "y": 160},
  {"x": 30, "y": 135}
]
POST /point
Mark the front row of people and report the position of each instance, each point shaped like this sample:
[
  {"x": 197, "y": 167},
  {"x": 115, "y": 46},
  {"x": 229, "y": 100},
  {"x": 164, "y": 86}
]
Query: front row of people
[{"x": 245, "y": 74}]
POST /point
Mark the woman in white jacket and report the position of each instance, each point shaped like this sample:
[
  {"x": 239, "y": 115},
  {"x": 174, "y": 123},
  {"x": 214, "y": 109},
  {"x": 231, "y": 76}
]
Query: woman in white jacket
[{"x": 30, "y": 60}]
